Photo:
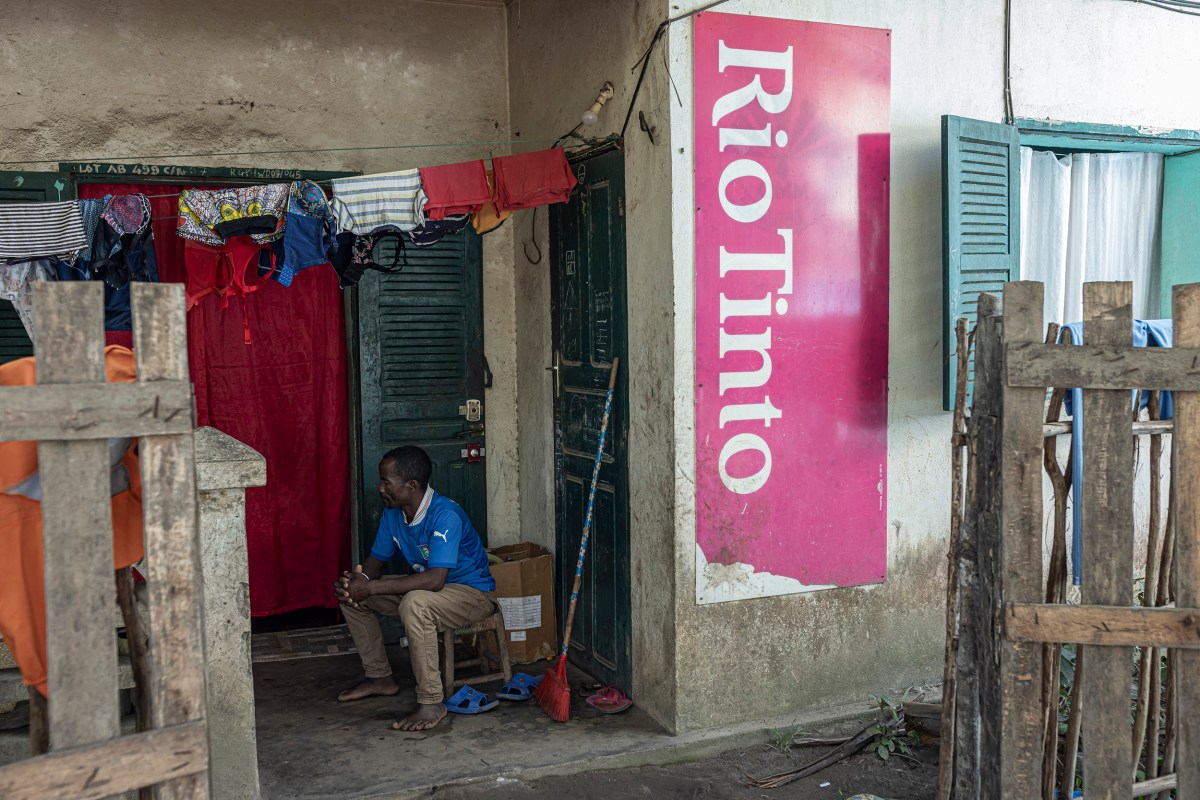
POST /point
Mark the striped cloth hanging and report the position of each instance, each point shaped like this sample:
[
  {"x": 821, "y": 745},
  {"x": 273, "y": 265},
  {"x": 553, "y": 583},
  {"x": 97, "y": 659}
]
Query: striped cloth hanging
[
  {"x": 37, "y": 230},
  {"x": 369, "y": 202}
]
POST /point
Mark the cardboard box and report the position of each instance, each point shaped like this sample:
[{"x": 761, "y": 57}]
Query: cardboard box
[{"x": 525, "y": 589}]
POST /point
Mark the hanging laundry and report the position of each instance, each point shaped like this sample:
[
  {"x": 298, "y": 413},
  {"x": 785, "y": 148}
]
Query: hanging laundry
[
  {"x": 121, "y": 250},
  {"x": 354, "y": 255},
  {"x": 532, "y": 179},
  {"x": 308, "y": 236},
  {"x": 221, "y": 271},
  {"x": 231, "y": 269},
  {"x": 211, "y": 216},
  {"x": 38, "y": 230},
  {"x": 16, "y": 286},
  {"x": 130, "y": 258},
  {"x": 127, "y": 214},
  {"x": 487, "y": 219},
  {"x": 431, "y": 231},
  {"x": 125, "y": 219},
  {"x": 89, "y": 211},
  {"x": 454, "y": 189},
  {"x": 370, "y": 202}
]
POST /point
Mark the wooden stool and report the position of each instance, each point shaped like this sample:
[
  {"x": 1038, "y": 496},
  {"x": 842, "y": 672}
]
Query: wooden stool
[{"x": 493, "y": 624}]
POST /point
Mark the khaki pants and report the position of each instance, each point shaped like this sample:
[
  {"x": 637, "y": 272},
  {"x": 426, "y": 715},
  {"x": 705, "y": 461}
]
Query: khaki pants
[{"x": 423, "y": 614}]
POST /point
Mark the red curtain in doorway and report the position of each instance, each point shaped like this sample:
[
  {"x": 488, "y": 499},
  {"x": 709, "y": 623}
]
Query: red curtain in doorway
[{"x": 285, "y": 396}]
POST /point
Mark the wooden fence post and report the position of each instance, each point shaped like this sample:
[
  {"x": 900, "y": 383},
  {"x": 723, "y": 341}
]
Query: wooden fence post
[
  {"x": 1021, "y": 581},
  {"x": 1106, "y": 497},
  {"x": 1185, "y": 469},
  {"x": 976, "y": 621},
  {"x": 169, "y": 508},
  {"x": 81, "y": 647}
]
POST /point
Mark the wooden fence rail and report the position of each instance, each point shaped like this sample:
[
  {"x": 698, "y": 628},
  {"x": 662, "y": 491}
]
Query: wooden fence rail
[
  {"x": 1005, "y": 721},
  {"x": 71, "y": 413}
]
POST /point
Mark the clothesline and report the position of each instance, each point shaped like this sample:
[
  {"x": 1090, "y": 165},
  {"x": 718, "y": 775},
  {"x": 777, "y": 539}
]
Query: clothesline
[{"x": 177, "y": 156}]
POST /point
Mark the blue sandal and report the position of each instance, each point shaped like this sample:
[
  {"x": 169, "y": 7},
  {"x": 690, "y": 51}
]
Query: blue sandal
[
  {"x": 520, "y": 687},
  {"x": 469, "y": 701}
]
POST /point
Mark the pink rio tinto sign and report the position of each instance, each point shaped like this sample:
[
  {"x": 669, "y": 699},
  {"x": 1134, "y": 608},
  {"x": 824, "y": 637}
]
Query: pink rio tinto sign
[{"x": 791, "y": 150}]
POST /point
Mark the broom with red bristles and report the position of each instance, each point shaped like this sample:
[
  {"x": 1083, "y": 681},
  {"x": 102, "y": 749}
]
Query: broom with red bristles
[{"x": 553, "y": 693}]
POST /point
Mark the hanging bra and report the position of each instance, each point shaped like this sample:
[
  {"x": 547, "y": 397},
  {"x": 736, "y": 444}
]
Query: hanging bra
[
  {"x": 354, "y": 255},
  {"x": 232, "y": 269}
]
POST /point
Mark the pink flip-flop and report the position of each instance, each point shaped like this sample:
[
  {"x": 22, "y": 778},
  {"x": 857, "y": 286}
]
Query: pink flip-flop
[{"x": 609, "y": 700}]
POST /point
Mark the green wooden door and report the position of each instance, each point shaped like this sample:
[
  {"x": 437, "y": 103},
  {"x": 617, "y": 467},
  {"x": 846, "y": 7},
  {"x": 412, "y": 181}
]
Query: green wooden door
[
  {"x": 26, "y": 187},
  {"x": 1180, "y": 231},
  {"x": 420, "y": 358},
  {"x": 981, "y": 217},
  {"x": 589, "y": 330}
]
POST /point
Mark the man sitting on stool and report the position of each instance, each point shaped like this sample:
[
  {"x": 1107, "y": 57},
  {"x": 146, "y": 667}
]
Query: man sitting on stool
[{"x": 451, "y": 585}]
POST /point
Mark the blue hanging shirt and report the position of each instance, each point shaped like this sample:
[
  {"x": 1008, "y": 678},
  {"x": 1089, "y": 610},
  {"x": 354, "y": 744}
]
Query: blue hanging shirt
[
  {"x": 440, "y": 535},
  {"x": 1146, "y": 333}
]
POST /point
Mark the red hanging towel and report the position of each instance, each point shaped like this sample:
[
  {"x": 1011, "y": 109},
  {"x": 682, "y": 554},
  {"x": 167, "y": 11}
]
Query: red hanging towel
[
  {"x": 532, "y": 179},
  {"x": 454, "y": 189}
]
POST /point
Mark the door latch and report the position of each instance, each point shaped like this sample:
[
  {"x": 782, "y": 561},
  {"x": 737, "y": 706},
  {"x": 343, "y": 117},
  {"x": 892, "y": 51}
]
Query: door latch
[
  {"x": 474, "y": 452},
  {"x": 473, "y": 410}
]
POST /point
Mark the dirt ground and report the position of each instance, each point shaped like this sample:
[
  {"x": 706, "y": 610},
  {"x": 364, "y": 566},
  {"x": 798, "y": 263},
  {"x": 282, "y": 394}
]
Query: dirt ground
[{"x": 722, "y": 777}]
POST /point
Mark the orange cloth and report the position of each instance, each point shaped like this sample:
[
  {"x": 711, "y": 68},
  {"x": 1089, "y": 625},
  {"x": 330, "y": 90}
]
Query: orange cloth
[
  {"x": 22, "y": 592},
  {"x": 487, "y": 219}
]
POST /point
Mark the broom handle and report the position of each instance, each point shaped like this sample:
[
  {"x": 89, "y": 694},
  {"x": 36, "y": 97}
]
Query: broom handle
[{"x": 587, "y": 521}]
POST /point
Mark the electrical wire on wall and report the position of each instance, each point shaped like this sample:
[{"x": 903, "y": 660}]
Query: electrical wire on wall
[
  {"x": 1189, "y": 7},
  {"x": 644, "y": 63},
  {"x": 1009, "y": 115}
]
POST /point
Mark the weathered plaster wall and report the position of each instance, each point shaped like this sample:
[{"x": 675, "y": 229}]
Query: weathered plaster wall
[
  {"x": 134, "y": 77},
  {"x": 1102, "y": 61},
  {"x": 560, "y": 55}
]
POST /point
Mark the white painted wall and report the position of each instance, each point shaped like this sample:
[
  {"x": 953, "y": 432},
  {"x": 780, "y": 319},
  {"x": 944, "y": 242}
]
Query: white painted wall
[
  {"x": 132, "y": 77},
  {"x": 1100, "y": 61}
]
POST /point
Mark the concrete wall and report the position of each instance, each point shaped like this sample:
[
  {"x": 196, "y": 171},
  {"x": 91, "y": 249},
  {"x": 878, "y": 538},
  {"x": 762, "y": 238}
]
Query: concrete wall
[
  {"x": 560, "y": 55},
  {"x": 129, "y": 77},
  {"x": 1102, "y": 61}
]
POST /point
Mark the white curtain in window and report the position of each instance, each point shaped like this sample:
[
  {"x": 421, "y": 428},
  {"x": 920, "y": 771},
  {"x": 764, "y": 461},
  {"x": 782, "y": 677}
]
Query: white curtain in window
[{"x": 1091, "y": 217}]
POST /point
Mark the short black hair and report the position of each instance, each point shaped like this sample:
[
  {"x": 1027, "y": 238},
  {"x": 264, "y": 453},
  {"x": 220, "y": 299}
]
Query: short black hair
[{"x": 409, "y": 463}]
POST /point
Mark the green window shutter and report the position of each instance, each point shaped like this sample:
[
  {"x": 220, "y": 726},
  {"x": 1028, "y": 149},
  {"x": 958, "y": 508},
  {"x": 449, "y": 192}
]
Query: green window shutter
[
  {"x": 1180, "y": 233},
  {"x": 27, "y": 187},
  {"x": 981, "y": 214}
]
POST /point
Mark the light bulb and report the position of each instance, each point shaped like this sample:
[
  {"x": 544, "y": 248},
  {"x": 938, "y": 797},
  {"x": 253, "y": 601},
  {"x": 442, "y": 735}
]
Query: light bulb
[{"x": 592, "y": 115}]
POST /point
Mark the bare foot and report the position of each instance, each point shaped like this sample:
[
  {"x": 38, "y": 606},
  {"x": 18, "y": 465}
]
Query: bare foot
[
  {"x": 384, "y": 687},
  {"x": 425, "y": 717}
]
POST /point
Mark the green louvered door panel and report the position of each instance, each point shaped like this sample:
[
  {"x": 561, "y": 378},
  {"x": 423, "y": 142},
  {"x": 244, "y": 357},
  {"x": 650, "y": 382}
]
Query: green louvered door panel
[
  {"x": 981, "y": 245},
  {"x": 420, "y": 360},
  {"x": 1180, "y": 231},
  {"x": 26, "y": 187}
]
